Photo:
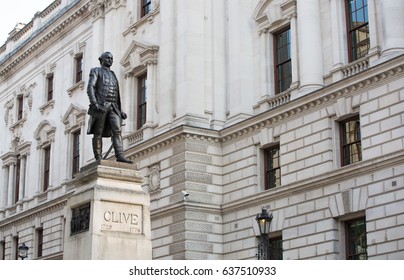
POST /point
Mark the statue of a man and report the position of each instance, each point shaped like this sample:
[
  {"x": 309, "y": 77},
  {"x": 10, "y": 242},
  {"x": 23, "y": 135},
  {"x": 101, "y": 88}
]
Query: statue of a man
[{"x": 105, "y": 108}]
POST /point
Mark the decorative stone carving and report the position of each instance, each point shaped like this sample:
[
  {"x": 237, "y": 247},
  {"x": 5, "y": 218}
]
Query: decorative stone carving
[
  {"x": 156, "y": 4},
  {"x": 8, "y": 106},
  {"x": 346, "y": 198},
  {"x": 97, "y": 8},
  {"x": 80, "y": 221},
  {"x": 154, "y": 178},
  {"x": 27, "y": 93}
]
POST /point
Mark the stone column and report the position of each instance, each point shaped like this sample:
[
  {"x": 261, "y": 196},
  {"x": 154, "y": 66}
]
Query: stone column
[
  {"x": 22, "y": 178},
  {"x": 97, "y": 12},
  {"x": 108, "y": 216},
  {"x": 114, "y": 18},
  {"x": 4, "y": 188},
  {"x": 310, "y": 48},
  {"x": 167, "y": 94},
  {"x": 11, "y": 184},
  {"x": 219, "y": 92},
  {"x": 374, "y": 51},
  {"x": 265, "y": 64},
  {"x": 392, "y": 19},
  {"x": 294, "y": 50},
  {"x": 151, "y": 93},
  {"x": 338, "y": 31},
  {"x": 128, "y": 100}
]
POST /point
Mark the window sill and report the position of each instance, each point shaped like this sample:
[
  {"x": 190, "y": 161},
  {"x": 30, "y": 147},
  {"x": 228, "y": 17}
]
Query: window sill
[
  {"x": 141, "y": 21},
  {"x": 76, "y": 87},
  {"x": 18, "y": 124},
  {"x": 47, "y": 106}
]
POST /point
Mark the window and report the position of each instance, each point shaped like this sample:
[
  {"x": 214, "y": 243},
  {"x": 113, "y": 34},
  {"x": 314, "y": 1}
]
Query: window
[
  {"x": 20, "y": 106},
  {"x": 15, "y": 247},
  {"x": 76, "y": 152},
  {"x": 49, "y": 86},
  {"x": 39, "y": 242},
  {"x": 275, "y": 248},
  {"x": 145, "y": 7},
  {"x": 283, "y": 62},
  {"x": 355, "y": 239},
  {"x": 351, "y": 151},
  {"x": 3, "y": 250},
  {"x": 17, "y": 179},
  {"x": 46, "y": 167},
  {"x": 358, "y": 28},
  {"x": 272, "y": 167},
  {"x": 141, "y": 101},
  {"x": 78, "y": 68}
]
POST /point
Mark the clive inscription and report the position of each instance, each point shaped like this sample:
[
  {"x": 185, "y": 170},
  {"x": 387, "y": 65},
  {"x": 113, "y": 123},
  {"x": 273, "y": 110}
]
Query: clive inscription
[{"x": 121, "y": 217}]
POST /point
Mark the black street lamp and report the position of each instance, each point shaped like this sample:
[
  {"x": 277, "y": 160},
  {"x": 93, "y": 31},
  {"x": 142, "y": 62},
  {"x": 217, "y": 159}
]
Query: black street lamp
[
  {"x": 23, "y": 251},
  {"x": 264, "y": 222}
]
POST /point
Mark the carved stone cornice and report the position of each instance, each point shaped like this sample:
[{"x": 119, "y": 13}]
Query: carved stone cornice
[
  {"x": 45, "y": 134},
  {"x": 172, "y": 137},
  {"x": 97, "y": 8},
  {"x": 74, "y": 118},
  {"x": 149, "y": 56},
  {"x": 24, "y": 148},
  {"x": 114, "y": 4},
  {"x": 27, "y": 49},
  {"x": 38, "y": 211},
  {"x": 9, "y": 158}
]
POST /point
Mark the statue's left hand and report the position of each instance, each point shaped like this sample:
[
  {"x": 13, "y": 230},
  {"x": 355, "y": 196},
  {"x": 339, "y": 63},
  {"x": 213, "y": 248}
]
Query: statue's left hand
[{"x": 124, "y": 115}]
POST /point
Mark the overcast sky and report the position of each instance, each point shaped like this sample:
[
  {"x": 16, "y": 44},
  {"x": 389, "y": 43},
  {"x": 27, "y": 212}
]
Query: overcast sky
[{"x": 14, "y": 11}]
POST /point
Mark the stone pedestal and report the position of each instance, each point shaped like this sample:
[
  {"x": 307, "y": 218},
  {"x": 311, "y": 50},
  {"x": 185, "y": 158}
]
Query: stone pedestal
[{"x": 108, "y": 216}]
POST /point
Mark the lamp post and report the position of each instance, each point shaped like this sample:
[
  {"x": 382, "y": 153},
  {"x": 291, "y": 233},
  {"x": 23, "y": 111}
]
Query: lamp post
[
  {"x": 23, "y": 251},
  {"x": 264, "y": 221}
]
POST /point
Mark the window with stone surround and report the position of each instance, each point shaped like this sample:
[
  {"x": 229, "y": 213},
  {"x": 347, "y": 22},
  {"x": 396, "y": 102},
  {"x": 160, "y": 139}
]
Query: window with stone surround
[
  {"x": 39, "y": 242},
  {"x": 46, "y": 167},
  {"x": 141, "y": 100},
  {"x": 15, "y": 247},
  {"x": 49, "y": 87},
  {"x": 283, "y": 61},
  {"x": 76, "y": 152},
  {"x": 3, "y": 250},
  {"x": 275, "y": 248},
  {"x": 78, "y": 63},
  {"x": 272, "y": 167},
  {"x": 350, "y": 136},
  {"x": 357, "y": 28},
  {"x": 20, "y": 106},
  {"x": 145, "y": 6},
  {"x": 355, "y": 239}
]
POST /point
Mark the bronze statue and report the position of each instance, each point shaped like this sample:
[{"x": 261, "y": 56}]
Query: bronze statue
[{"x": 105, "y": 108}]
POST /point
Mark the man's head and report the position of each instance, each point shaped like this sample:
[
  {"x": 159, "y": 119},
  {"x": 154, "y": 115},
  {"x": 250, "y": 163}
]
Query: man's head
[{"x": 106, "y": 59}]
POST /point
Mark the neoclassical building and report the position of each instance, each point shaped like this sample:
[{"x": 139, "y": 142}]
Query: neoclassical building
[{"x": 296, "y": 106}]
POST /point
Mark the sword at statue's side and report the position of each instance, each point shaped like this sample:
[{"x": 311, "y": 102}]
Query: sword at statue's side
[{"x": 110, "y": 148}]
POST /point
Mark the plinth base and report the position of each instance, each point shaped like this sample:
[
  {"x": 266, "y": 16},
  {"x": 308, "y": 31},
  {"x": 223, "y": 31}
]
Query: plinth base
[{"x": 108, "y": 216}]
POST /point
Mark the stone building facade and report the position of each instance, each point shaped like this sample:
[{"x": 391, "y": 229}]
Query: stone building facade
[{"x": 297, "y": 106}]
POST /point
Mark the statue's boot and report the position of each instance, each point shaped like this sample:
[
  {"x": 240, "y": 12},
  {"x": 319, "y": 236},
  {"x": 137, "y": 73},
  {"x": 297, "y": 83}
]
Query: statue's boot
[
  {"x": 97, "y": 148},
  {"x": 118, "y": 147}
]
